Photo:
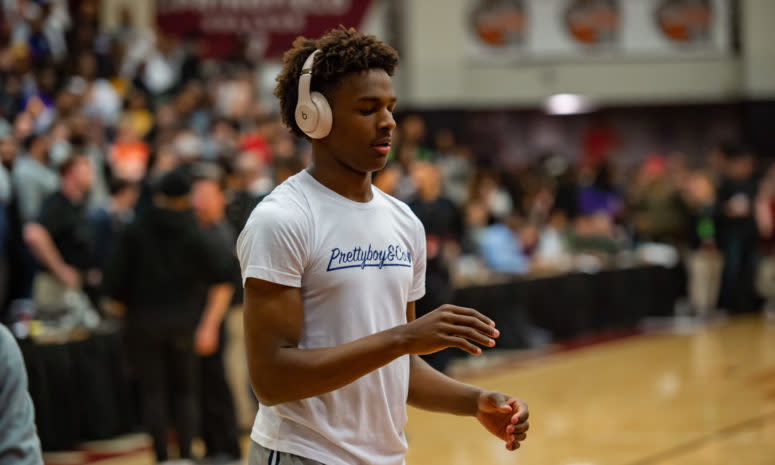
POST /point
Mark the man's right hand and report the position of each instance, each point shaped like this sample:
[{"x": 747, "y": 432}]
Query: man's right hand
[
  {"x": 69, "y": 276},
  {"x": 448, "y": 326}
]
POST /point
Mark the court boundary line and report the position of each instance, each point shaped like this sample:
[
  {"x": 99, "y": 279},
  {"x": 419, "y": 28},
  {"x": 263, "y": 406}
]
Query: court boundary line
[{"x": 696, "y": 443}]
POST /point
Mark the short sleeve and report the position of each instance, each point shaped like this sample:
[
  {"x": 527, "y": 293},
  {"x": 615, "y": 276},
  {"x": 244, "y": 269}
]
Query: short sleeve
[
  {"x": 19, "y": 443},
  {"x": 418, "y": 263},
  {"x": 274, "y": 244},
  {"x": 50, "y": 216}
]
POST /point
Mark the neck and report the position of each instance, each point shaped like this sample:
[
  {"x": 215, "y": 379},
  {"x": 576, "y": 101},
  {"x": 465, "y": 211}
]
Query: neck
[
  {"x": 72, "y": 192},
  {"x": 341, "y": 179},
  {"x": 209, "y": 220}
]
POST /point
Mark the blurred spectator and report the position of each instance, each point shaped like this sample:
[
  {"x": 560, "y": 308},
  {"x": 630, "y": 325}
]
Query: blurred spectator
[
  {"x": 597, "y": 193},
  {"x": 655, "y": 204},
  {"x": 33, "y": 180},
  {"x": 61, "y": 239},
  {"x": 387, "y": 179},
  {"x": 160, "y": 273},
  {"x": 443, "y": 232},
  {"x": 221, "y": 140},
  {"x": 137, "y": 115},
  {"x": 487, "y": 189},
  {"x": 100, "y": 97},
  {"x": 456, "y": 166},
  {"x": 250, "y": 184},
  {"x": 108, "y": 222},
  {"x": 406, "y": 149},
  {"x": 737, "y": 229},
  {"x": 219, "y": 422},
  {"x": 506, "y": 247},
  {"x": 553, "y": 252},
  {"x": 156, "y": 61},
  {"x": 129, "y": 154},
  {"x": 596, "y": 234},
  {"x": 765, "y": 221},
  {"x": 704, "y": 262},
  {"x": 599, "y": 143}
]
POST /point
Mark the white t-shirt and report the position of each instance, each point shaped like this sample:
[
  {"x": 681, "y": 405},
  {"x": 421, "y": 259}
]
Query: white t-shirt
[{"x": 357, "y": 264}]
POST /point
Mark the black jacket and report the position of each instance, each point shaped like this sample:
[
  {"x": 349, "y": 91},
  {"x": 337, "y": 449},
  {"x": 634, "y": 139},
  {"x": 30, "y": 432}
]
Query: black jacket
[{"x": 161, "y": 268}]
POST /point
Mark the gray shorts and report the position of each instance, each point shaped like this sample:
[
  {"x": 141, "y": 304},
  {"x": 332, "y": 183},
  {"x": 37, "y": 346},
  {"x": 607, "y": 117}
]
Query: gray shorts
[{"x": 260, "y": 455}]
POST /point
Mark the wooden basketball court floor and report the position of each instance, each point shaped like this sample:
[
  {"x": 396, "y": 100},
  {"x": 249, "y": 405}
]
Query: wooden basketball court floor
[{"x": 706, "y": 397}]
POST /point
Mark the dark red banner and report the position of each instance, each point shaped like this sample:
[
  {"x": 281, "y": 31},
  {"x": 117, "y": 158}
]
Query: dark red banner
[{"x": 266, "y": 27}]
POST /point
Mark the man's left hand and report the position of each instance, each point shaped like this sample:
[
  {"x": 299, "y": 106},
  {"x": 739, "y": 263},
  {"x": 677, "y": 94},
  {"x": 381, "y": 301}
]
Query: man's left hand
[
  {"x": 504, "y": 416},
  {"x": 206, "y": 339}
]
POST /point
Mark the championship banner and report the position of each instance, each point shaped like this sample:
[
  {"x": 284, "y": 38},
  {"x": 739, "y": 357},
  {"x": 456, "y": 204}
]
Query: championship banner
[
  {"x": 266, "y": 27},
  {"x": 615, "y": 28}
]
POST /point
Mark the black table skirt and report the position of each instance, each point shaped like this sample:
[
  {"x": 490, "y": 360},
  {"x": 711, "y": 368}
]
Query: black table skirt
[
  {"x": 80, "y": 390},
  {"x": 577, "y": 304}
]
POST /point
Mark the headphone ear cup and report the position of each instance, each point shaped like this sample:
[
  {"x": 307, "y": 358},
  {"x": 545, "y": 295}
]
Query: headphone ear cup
[
  {"x": 323, "y": 116},
  {"x": 307, "y": 117}
]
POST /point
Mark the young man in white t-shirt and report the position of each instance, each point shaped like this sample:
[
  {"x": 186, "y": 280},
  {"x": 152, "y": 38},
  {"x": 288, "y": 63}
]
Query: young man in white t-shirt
[{"x": 332, "y": 268}]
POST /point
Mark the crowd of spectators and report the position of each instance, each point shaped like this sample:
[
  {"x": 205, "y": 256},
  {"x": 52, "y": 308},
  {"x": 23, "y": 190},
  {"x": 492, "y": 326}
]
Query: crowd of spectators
[
  {"x": 710, "y": 213},
  {"x": 93, "y": 123},
  {"x": 137, "y": 104}
]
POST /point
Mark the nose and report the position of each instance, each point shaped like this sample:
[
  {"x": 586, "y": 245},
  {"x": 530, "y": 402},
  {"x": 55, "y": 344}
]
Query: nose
[{"x": 386, "y": 120}]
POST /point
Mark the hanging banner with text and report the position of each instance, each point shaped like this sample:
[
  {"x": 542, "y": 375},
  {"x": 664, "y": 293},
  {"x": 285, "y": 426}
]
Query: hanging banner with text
[
  {"x": 563, "y": 29},
  {"x": 266, "y": 27}
]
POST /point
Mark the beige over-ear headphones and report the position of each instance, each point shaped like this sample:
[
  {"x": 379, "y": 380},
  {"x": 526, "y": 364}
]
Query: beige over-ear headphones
[{"x": 313, "y": 114}]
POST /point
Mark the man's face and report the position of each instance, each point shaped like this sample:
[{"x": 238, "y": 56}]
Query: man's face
[
  {"x": 7, "y": 151},
  {"x": 207, "y": 200},
  {"x": 83, "y": 173},
  {"x": 362, "y": 107}
]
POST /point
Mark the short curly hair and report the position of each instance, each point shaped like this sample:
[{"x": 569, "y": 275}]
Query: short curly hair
[{"x": 342, "y": 51}]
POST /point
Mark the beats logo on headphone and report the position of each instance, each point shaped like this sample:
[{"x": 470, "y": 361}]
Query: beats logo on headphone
[{"x": 313, "y": 114}]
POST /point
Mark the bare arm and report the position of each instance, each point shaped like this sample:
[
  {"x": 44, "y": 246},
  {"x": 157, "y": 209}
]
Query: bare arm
[
  {"x": 431, "y": 390},
  {"x": 502, "y": 415},
  {"x": 44, "y": 249},
  {"x": 280, "y": 371},
  {"x": 218, "y": 300},
  {"x": 207, "y": 332}
]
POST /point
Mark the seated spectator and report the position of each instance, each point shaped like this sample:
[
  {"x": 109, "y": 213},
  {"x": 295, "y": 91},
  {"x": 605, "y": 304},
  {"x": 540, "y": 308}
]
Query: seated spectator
[
  {"x": 506, "y": 247},
  {"x": 553, "y": 252},
  {"x": 655, "y": 204}
]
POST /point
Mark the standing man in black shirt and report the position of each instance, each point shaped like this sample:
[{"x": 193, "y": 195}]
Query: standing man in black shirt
[
  {"x": 160, "y": 273},
  {"x": 61, "y": 238},
  {"x": 219, "y": 422},
  {"x": 737, "y": 229}
]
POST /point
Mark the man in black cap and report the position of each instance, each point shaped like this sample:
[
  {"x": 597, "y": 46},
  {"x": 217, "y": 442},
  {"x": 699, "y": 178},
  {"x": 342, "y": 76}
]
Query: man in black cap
[{"x": 160, "y": 272}]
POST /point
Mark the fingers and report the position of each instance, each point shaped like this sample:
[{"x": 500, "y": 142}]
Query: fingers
[
  {"x": 470, "y": 334},
  {"x": 475, "y": 323},
  {"x": 514, "y": 442},
  {"x": 462, "y": 344},
  {"x": 522, "y": 413},
  {"x": 518, "y": 428},
  {"x": 469, "y": 312}
]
